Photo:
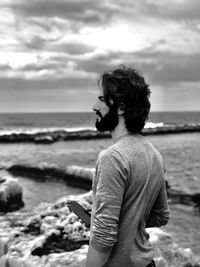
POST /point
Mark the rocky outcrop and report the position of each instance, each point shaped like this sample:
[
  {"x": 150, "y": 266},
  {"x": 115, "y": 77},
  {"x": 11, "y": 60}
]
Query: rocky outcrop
[
  {"x": 53, "y": 236},
  {"x": 10, "y": 194}
]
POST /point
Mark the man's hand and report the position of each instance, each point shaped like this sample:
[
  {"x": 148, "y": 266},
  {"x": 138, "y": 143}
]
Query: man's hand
[{"x": 96, "y": 258}]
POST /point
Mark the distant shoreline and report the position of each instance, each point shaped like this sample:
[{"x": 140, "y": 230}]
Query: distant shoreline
[
  {"x": 47, "y": 136},
  {"x": 90, "y": 112}
]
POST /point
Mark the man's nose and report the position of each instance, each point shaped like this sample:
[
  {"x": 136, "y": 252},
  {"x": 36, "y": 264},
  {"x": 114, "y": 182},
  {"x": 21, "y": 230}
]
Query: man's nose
[{"x": 95, "y": 106}]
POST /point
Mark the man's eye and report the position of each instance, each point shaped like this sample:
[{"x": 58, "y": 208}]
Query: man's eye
[{"x": 101, "y": 98}]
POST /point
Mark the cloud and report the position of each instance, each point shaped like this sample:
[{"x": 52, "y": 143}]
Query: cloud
[
  {"x": 78, "y": 71},
  {"x": 167, "y": 67},
  {"x": 177, "y": 10},
  {"x": 163, "y": 9},
  {"x": 5, "y": 67},
  {"x": 85, "y": 11},
  {"x": 19, "y": 83},
  {"x": 74, "y": 48},
  {"x": 65, "y": 44},
  {"x": 37, "y": 43},
  {"x": 161, "y": 67}
]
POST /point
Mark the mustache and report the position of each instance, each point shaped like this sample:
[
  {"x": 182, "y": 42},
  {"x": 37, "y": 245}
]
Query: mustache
[{"x": 99, "y": 113}]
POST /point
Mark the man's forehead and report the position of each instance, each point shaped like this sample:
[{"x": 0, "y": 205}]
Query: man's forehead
[{"x": 100, "y": 90}]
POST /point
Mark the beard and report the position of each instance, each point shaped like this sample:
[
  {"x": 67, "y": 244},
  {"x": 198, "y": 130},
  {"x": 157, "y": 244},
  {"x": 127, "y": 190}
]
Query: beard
[{"x": 109, "y": 121}]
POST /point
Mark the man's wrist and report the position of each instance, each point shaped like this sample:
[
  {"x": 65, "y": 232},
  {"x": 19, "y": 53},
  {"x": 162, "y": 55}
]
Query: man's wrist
[{"x": 96, "y": 258}]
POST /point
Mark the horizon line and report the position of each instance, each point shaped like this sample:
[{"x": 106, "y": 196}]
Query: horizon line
[{"x": 85, "y": 111}]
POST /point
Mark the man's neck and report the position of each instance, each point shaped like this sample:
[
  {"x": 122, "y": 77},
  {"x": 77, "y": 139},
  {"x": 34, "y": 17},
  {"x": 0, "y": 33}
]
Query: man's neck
[{"x": 119, "y": 131}]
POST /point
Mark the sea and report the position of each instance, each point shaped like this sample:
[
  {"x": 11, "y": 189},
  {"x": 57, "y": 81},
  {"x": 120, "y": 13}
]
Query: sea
[
  {"x": 77, "y": 121},
  {"x": 181, "y": 152}
]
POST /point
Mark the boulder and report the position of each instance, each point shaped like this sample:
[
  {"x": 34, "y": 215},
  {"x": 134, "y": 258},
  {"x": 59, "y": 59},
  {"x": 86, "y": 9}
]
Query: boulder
[
  {"x": 168, "y": 253},
  {"x": 10, "y": 194},
  {"x": 46, "y": 139}
]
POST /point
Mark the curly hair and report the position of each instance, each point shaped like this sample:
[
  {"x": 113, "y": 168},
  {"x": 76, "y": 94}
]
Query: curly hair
[{"x": 128, "y": 91}]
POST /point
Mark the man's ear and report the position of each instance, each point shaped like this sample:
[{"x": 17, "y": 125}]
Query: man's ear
[
  {"x": 111, "y": 102},
  {"x": 120, "y": 111}
]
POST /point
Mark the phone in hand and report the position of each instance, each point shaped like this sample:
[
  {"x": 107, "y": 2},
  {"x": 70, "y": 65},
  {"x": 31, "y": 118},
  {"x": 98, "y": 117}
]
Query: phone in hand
[{"x": 81, "y": 212}]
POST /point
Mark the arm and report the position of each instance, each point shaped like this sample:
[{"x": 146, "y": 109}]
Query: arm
[
  {"x": 96, "y": 258},
  {"x": 111, "y": 179},
  {"x": 159, "y": 214}
]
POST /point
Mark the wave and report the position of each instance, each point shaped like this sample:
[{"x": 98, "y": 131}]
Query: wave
[
  {"x": 73, "y": 175},
  {"x": 50, "y": 135}
]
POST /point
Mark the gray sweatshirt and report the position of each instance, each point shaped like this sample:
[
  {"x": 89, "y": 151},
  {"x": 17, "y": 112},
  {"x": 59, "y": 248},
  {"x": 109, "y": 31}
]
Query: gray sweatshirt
[{"x": 129, "y": 195}]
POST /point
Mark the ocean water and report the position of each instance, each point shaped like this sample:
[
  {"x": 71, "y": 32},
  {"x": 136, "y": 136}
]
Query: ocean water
[{"x": 81, "y": 120}]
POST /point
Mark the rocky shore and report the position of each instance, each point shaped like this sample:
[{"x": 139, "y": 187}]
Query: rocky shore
[{"x": 52, "y": 235}]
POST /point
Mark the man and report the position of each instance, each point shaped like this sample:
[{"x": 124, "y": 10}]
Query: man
[{"x": 129, "y": 187}]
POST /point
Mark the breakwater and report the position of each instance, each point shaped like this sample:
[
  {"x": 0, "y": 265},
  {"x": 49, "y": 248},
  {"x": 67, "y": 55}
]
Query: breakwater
[{"x": 47, "y": 136}]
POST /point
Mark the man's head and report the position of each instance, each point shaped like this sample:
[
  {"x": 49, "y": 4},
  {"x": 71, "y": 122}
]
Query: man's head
[{"x": 122, "y": 92}]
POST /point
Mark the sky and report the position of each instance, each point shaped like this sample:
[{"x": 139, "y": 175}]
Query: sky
[{"x": 53, "y": 51}]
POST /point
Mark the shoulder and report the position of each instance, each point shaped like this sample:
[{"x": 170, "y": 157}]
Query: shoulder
[
  {"x": 111, "y": 166},
  {"x": 112, "y": 157},
  {"x": 109, "y": 153}
]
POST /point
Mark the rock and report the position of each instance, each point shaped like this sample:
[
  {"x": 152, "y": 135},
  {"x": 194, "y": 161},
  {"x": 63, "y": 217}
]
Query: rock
[
  {"x": 76, "y": 258},
  {"x": 44, "y": 139},
  {"x": 10, "y": 194},
  {"x": 52, "y": 233},
  {"x": 167, "y": 253},
  {"x": 196, "y": 201}
]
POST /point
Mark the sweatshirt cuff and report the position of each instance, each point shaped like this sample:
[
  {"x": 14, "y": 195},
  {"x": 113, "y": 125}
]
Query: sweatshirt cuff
[{"x": 99, "y": 246}]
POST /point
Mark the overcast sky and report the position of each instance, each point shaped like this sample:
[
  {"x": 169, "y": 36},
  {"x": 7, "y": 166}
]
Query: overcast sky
[{"x": 52, "y": 51}]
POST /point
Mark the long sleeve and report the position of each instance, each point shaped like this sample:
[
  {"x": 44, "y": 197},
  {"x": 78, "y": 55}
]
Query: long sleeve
[
  {"x": 159, "y": 214},
  {"x": 110, "y": 180}
]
